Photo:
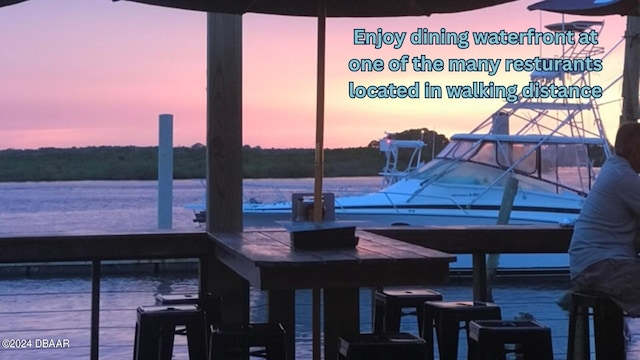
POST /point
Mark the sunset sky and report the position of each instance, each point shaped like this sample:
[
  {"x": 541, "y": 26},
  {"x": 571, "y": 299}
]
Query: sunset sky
[{"x": 97, "y": 72}]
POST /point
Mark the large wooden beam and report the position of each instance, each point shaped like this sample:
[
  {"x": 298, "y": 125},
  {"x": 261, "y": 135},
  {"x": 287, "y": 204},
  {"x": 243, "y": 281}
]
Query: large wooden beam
[
  {"x": 104, "y": 247},
  {"x": 224, "y": 158},
  {"x": 224, "y": 122},
  {"x": 630, "y": 105}
]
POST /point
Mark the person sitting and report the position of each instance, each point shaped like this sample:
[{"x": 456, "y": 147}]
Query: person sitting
[{"x": 602, "y": 255}]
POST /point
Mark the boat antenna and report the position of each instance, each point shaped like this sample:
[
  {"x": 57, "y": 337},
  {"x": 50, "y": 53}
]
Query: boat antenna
[
  {"x": 433, "y": 144},
  {"x": 540, "y": 29},
  {"x": 563, "y": 54}
]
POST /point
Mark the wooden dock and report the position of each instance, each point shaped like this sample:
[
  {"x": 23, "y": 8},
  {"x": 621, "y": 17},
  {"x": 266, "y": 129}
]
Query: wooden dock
[{"x": 201, "y": 247}]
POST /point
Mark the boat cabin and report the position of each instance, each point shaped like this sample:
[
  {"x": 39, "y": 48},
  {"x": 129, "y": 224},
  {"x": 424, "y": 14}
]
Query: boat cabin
[{"x": 557, "y": 163}]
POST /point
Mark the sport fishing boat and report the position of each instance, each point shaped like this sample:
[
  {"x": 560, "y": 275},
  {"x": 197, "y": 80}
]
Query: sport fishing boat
[{"x": 550, "y": 148}]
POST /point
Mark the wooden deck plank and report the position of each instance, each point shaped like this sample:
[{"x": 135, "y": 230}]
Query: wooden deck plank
[
  {"x": 490, "y": 239},
  {"x": 326, "y": 255},
  {"x": 365, "y": 250},
  {"x": 262, "y": 249},
  {"x": 268, "y": 261},
  {"x": 389, "y": 246}
]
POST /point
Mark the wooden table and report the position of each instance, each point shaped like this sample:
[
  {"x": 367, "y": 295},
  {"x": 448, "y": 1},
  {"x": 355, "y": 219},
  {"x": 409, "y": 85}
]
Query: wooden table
[
  {"x": 267, "y": 260},
  {"x": 480, "y": 240}
]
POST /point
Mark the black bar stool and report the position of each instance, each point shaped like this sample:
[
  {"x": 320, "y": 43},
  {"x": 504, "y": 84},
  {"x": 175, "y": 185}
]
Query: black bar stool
[
  {"x": 209, "y": 303},
  {"x": 608, "y": 323},
  {"x": 487, "y": 339},
  {"x": 155, "y": 329},
  {"x": 176, "y": 299},
  {"x": 227, "y": 339},
  {"x": 390, "y": 302},
  {"x": 382, "y": 347},
  {"x": 447, "y": 315}
]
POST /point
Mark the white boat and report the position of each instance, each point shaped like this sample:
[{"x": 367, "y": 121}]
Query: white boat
[{"x": 552, "y": 147}]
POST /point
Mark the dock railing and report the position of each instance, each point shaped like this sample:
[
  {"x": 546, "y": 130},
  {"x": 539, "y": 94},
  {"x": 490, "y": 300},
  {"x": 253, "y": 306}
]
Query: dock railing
[{"x": 98, "y": 249}]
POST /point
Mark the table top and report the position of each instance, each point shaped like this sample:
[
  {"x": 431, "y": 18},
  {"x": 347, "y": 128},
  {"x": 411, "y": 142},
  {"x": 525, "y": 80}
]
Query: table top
[
  {"x": 267, "y": 260},
  {"x": 499, "y": 239}
]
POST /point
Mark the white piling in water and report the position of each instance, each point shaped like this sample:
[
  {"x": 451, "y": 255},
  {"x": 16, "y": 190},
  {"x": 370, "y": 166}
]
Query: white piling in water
[{"x": 165, "y": 172}]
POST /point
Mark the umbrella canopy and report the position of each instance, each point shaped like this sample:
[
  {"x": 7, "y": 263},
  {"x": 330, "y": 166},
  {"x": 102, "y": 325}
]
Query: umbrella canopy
[
  {"x": 334, "y": 8},
  {"x": 10, "y": 2},
  {"x": 589, "y": 7}
]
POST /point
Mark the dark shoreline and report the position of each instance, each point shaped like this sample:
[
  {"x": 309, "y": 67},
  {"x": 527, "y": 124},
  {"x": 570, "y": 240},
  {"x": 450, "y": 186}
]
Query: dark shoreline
[{"x": 140, "y": 163}]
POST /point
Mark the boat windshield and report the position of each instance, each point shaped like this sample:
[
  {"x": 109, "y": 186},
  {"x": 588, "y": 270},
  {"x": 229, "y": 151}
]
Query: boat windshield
[{"x": 553, "y": 166}]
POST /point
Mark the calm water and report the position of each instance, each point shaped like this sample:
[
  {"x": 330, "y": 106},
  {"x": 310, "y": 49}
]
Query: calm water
[
  {"x": 58, "y": 307},
  {"x": 81, "y": 207}
]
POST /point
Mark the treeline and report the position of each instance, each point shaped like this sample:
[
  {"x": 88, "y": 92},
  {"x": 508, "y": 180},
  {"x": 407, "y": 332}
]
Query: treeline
[{"x": 140, "y": 163}]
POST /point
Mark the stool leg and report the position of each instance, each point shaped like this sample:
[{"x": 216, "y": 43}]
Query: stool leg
[
  {"x": 427, "y": 331},
  {"x": 470, "y": 346},
  {"x": 392, "y": 318},
  {"x": 495, "y": 350},
  {"x": 135, "y": 343},
  {"x": 608, "y": 330},
  {"x": 538, "y": 347},
  {"x": 572, "y": 331},
  {"x": 580, "y": 343},
  {"x": 484, "y": 350},
  {"x": 420, "y": 317},
  {"x": 489, "y": 350},
  {"x": 276, "y": 352},
  {"x": 473, "y": 352},
  {"x": 216, "y": 352},
  {"x": 197, "y": 339},
  {"x": 545, "y": 350},
  {"x": 378, "y": 317},
  {"x": 447, "y": 333},
  {"x": 147, "y": 347},
  {"x": 165, "y": 339}
]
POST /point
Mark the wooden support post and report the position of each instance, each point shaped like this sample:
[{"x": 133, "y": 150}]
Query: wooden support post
[
  {"x": 631, "y": 73},
  {"x": 319, "y": 154},
  {"x": 224, "y": 122},
  {"x": 479, "y": 277},
  {"x": 234, "y": 291}
]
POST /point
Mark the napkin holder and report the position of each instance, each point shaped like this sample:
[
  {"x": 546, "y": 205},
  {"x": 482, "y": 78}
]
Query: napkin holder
[{"x": 322, "y": 236}]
